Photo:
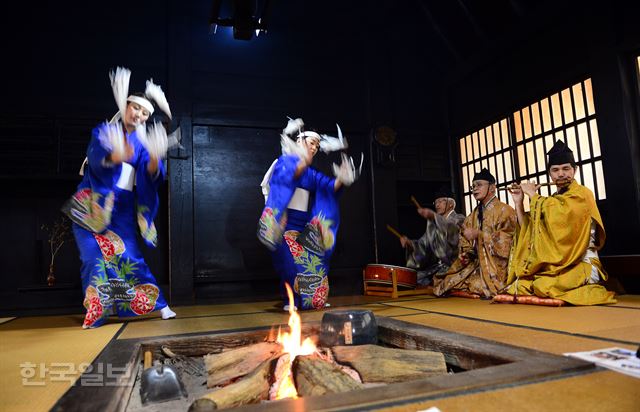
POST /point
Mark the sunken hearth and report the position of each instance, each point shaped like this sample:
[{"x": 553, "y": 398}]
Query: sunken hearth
[{"x": 473, "y": 364}]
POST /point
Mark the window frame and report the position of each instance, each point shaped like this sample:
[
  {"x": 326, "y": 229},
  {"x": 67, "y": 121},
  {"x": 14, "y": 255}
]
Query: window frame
[{"x": 538, "y": 132}]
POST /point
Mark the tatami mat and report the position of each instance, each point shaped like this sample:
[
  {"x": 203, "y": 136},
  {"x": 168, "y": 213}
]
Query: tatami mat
[
  {"x": 598, "y": 392},
  {"x": 545, "y": 341},
  {"x": 200, "y": 324},
  {"x": 48, "y": 351},
  {"x": 626, "y": 333},
  {"x": 628, "y": 300},
  {"x": 227, "y": 321},
  {"x": 572, "y": 319},
  {"x": 224, "y": 309}
]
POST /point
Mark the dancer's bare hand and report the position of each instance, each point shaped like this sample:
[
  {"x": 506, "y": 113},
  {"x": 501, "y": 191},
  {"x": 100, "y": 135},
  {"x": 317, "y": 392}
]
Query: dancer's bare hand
[{"x": 152, "y": 166}]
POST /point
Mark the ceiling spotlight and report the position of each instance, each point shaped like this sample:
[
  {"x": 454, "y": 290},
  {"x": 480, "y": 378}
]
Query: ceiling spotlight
[{"x": 244, "y": 18}]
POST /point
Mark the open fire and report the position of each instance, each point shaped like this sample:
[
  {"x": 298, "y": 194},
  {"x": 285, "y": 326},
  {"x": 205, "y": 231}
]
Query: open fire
[
  {"x": 293, "y": 345},
  {"x": 291, "y": 366}
]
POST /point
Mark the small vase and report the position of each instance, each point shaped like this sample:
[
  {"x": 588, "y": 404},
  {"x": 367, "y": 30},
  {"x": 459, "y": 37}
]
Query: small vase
[{"x": 51, "y": 279}]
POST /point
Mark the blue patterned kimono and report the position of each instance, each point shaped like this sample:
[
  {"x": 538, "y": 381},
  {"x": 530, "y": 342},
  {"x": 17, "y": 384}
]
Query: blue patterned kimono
[
  {"x": 107, "y": 211},
  {"x": 302, "y": 259}
]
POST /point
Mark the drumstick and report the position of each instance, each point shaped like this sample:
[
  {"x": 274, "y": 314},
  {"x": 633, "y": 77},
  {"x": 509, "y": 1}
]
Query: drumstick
[
  {"x": 415, "y": 202},
  {"x": 395, "y": 232}
]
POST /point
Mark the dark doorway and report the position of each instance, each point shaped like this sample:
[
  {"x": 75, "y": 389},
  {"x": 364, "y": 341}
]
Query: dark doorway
[{"x": 229, "y": 164}]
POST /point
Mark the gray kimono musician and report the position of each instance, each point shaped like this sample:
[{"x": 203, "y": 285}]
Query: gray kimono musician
[{"x": 436, "y": 250}]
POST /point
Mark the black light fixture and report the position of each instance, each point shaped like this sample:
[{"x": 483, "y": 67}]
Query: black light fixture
[{"x": 244, "y": 18}]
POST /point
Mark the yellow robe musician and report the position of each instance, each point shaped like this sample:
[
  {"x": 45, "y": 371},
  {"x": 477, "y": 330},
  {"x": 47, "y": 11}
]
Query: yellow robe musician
[{"x": 555, "y": 252}]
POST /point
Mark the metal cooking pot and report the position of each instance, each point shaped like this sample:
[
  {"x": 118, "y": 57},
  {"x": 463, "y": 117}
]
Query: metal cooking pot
[{"x": 348, "y": 327}]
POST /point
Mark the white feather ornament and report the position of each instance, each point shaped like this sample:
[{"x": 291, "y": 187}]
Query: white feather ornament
[
  {"x": 120, "y": 85},
  {"x": 174, "y": 139},
  {"x": 141, "y": 132},
  {"x": 115, "y": 118},
  {"x": 111, "y": 137},
  {"x": 155, "y": 140},
  {"x": 154, "y": 92},
  {"x": 292, "y": 148},
  {"x": 294, "y": 127},
  {"x": 333, "y": 144},
  {"x": 346, "y": 172}
]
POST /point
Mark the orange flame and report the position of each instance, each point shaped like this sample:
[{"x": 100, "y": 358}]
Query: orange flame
[{"x": 292, "y": 344}]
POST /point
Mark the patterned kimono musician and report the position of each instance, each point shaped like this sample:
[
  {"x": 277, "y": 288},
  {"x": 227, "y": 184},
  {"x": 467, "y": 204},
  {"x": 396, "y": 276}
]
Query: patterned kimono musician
[{"x": 485, "y": 270}]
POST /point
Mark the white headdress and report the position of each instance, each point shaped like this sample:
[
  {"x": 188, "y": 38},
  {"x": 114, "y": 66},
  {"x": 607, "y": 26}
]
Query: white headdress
[
  {"x": 111, "y": 136},
  {"x": 155, "y": 139},
  {"x": 120, "y": 84},
  {"x": 295, "y": 130}
]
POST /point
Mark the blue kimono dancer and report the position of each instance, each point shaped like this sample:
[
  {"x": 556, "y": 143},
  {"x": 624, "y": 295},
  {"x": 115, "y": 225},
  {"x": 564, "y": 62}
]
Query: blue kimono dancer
[
  {"x": 106, "y": 211},
  {"x": 301, "y": 242}
]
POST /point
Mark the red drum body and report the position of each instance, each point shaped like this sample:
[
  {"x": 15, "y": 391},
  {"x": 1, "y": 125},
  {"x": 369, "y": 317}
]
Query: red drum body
[{"x": 381, "y": 275}]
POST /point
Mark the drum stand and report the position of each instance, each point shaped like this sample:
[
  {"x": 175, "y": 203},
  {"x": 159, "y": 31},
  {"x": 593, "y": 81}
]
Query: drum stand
[{"x": 391, "y": 291}]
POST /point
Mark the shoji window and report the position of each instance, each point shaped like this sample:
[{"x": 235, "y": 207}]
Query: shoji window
[
  {"x": 568, "y": 115},
  {"x": 489, "y": 147}
]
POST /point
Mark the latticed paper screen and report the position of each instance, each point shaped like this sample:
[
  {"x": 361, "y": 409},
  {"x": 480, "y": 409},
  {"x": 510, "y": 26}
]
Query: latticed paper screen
[{"x": 515, "y": 148}]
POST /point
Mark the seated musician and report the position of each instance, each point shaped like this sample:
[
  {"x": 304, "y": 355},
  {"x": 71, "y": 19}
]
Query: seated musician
[
  {"x": 481, "y": 267},
  {"x": 556, "y": 247},
  {"x": 436, "y": 250}
]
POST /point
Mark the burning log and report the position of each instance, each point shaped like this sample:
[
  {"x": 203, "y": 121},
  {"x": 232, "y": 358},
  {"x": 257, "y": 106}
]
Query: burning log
[
  {"x": 281, "y": 375},
  {"x": 379, "y": 364},
  {"x": 226, "y": 366},
  {"x": 253, "y": 388},
  {"x": 314, "y": 376}
]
